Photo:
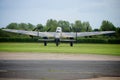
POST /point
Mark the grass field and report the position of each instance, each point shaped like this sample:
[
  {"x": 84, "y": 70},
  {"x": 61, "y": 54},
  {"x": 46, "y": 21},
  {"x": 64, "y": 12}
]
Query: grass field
[{"x": 109, "y": 49}]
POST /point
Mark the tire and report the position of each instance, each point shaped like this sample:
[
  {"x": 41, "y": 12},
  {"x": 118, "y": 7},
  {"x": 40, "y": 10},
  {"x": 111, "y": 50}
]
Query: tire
[
  {"x": 57, "y": 41},
  {"x": 45, "y": 43}
]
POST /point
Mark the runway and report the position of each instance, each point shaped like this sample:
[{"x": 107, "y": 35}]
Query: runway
[{"x": 58, "y": 69}]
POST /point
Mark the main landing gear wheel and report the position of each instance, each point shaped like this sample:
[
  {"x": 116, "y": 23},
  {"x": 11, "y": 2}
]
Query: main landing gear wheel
[
  {"x": 71, "y": 42},
  {"x": 45, "y": 42},
  {"x": 57, "y": 41}
]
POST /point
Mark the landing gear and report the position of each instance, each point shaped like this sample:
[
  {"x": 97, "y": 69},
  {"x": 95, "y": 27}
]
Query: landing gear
[
  {"x": 45, "y": 41},
  {"x": 57, "y": 41},
  {"x": 71, "y": 42}
]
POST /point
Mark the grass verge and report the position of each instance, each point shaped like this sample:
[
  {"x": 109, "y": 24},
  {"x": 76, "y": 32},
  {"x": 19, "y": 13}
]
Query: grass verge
[{"x": 107, "y": 49}]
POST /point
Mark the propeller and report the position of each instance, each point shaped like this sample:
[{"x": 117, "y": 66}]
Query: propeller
[
  {"x": 48, "y": 29},
  {"x": 34, "y": 29}
]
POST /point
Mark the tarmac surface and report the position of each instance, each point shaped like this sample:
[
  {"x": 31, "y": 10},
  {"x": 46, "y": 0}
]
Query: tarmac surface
[{"x": 58, "y": 69}]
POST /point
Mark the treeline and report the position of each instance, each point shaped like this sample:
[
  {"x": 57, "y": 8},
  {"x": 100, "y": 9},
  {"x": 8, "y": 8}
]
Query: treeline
[
  {"x": 66, "y": 26},
  {"x": 51, "y": 26}
]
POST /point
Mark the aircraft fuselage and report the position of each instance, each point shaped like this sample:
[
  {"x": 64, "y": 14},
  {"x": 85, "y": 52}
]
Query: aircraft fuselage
[{"x": 58, "y": 32}]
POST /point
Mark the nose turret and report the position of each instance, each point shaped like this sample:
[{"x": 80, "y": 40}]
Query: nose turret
[
  {"x": 58, "y": 32},
  {"x": 59, "y": 29}
]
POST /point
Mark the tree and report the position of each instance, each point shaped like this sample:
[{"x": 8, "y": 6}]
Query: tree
[
  {"x": 118, "y": 32},
  {"x": 77, "y": 26},
  {"x": 107, "y": 26},
  {"x": 30, "y": 26},
  {"x": 86, "y": 27},
  {"x": 81, "y": 27},
  {"x": 65, "y": 25},
  {"x": 39, "y": 27},
  {"x": 23, "y": 26},
  {"x": 96, "y": 29},
  {"x": 12, "y": 26},
  {"x": 51, "y": 25}
]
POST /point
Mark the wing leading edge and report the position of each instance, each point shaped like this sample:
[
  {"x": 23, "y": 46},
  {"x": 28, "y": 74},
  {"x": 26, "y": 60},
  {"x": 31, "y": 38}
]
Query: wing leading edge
[
  {"x": 81, "y": 34},
  {"x": 52, "y": 34}
]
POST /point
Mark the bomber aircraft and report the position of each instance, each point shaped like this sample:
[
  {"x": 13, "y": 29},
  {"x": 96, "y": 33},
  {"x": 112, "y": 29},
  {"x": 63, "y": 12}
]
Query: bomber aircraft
[{"x": 58, "y": 35}]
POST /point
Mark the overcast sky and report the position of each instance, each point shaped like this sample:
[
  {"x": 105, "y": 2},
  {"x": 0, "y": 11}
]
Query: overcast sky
[{"x": 39, "y": 11}]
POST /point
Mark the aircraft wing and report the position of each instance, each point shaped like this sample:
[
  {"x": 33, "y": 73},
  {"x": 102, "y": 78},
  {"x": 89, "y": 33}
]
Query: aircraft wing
[
  {"x": 52, "y": 34},
  {"x": 81, "y": 34},
  {"x": 32, "y": 33}
]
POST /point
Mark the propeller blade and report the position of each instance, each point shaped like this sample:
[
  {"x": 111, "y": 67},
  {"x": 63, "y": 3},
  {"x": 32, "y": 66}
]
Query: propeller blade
[{"x": 48, "y": 29}]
